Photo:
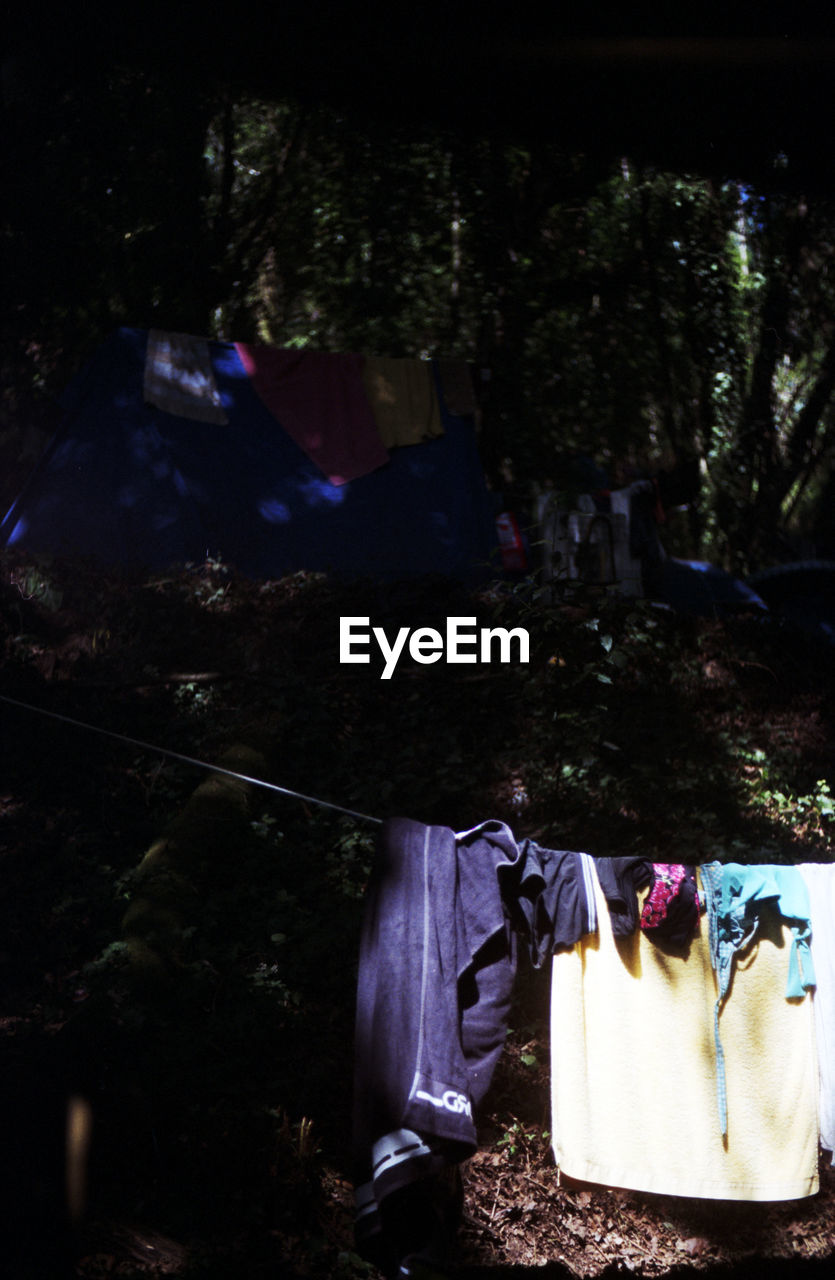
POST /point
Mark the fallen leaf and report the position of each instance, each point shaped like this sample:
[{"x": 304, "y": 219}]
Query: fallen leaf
[{"x": 692, "y": 1247}]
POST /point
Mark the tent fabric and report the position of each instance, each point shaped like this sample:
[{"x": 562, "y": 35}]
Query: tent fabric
[
  {"x": 129, "y": 484},
  {"x": 802, "y": 594},
  {"x": 457, "y": 387},
  {"x": 319, "y": 400},
  {"x": 701, "y": 588}
]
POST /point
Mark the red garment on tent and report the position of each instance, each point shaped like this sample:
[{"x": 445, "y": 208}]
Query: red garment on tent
[{"x": 320, "y": 401}]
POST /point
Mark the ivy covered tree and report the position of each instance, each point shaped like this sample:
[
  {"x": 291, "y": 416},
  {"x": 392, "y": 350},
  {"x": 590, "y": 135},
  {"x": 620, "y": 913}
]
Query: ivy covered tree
[{"x": 776, "y": 455}]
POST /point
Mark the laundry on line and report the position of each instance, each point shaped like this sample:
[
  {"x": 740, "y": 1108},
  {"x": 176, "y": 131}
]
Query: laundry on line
[{"x": 644, "y": 1094}]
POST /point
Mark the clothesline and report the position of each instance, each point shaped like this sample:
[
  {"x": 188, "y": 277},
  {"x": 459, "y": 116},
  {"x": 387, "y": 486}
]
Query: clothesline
[
  {"x": 645, "y": 1095},
  {"x": 192, "y": 760},
  {"x": 205, "y": 764}
]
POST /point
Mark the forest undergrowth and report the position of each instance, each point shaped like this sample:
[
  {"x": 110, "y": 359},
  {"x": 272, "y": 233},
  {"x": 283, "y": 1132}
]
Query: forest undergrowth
[{"x": 180, "y": 950}]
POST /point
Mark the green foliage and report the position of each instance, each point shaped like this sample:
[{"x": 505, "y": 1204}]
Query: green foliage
[
  {"x": 641, "y": 316},
  {"x": 34, "y": 582},
  {"x": 350, "y": 1264},
  {"x": 524, "y": 1141},
  {"x": 813, "y": 812},
  {"x": 194, "y": 698},
  {"x": 348, "y": 863},
  {"x": 625, "y": 313}
]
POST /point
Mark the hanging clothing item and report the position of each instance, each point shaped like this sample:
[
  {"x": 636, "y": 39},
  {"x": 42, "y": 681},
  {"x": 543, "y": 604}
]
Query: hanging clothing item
[
  {"x": 735, "y": 896},
  {"x": 819, "y": 879},
  {"x": 432, "y": 1005},
  {"x": 633, "y": 1078},
  {"x": 621, "y": 879},
  {"x": 671, "y": 908},
  {"x": 178, "y": 377},
  {"x": 437, "y": 963},
  {"x": 319, "y": 399},
  {"x": 548, "y": 894},
  {"x": 403, "y": 399}
]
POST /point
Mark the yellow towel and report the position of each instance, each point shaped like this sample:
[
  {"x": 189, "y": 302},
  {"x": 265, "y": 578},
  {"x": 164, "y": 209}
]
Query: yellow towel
[
  {"x": 403, "y": 400},
  {"x": 634, "y": 1069}
]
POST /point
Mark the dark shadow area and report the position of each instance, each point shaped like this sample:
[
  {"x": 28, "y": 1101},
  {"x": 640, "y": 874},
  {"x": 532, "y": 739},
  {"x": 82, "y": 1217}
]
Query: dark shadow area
[{"x": 221, "y": 1098}]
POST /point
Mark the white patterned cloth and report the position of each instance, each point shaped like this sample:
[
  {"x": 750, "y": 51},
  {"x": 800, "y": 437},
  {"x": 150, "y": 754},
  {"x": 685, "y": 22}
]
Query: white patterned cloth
[
  {"x": 179, "y": 378},
  {"x": 820, "y": 881}
]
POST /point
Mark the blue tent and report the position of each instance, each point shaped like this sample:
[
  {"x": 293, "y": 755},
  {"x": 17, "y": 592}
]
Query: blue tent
[
  {"x": 698, "y": 587},
  {"x": 129, "y": 484},
  {"x": 802, "y": 593}
]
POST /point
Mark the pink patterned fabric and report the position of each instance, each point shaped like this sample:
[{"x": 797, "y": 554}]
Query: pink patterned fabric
[{"x": 672, "y": 905}]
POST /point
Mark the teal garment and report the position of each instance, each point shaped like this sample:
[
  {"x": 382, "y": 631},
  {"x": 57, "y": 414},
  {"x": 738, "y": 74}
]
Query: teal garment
[
  {"x": 795, "y": 908},
  {"x": 734, "y": 897}
]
